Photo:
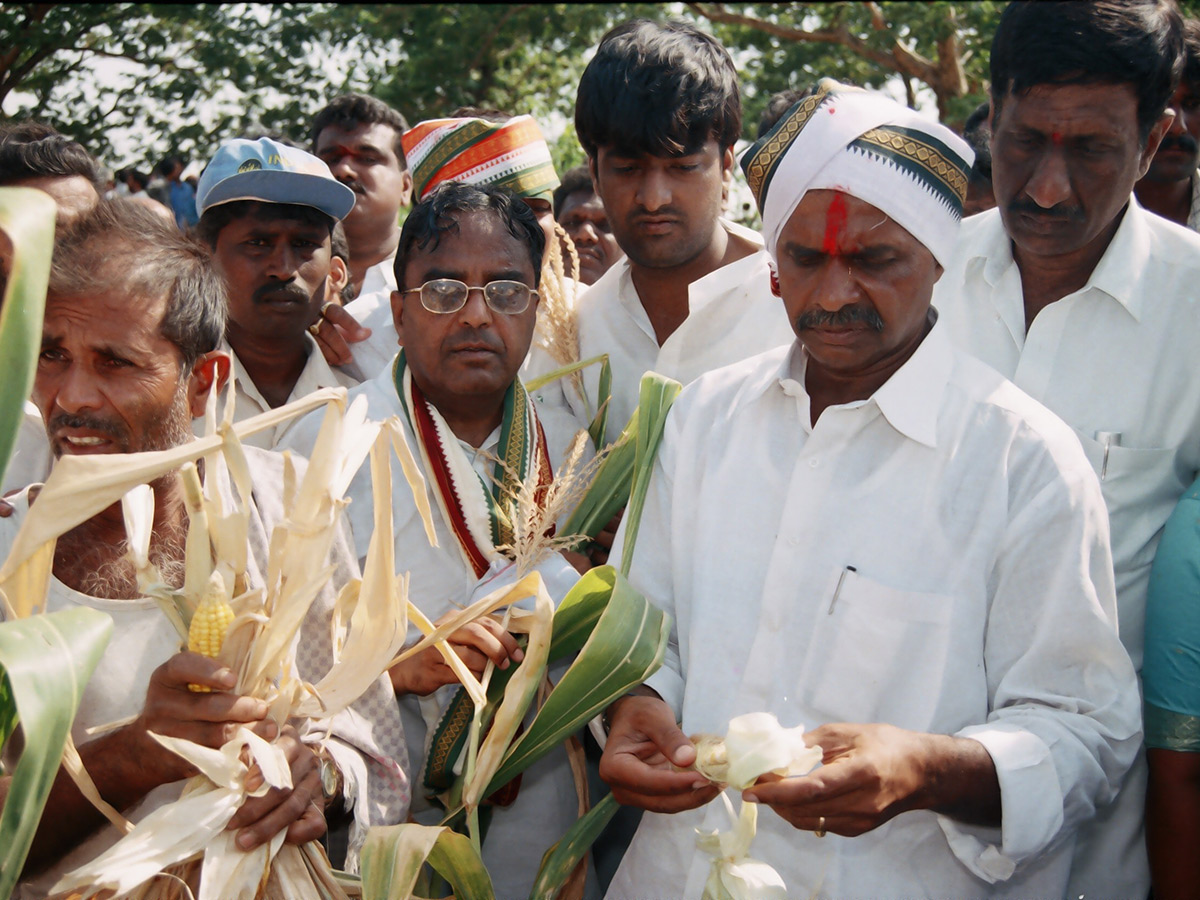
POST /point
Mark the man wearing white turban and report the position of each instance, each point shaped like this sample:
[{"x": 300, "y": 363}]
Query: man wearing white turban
[{"x": 919, "y": 546}]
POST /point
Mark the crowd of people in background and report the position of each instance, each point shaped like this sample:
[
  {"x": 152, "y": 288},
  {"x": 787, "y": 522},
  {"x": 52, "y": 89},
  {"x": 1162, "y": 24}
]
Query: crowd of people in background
[{"x": 930, "y": 488}]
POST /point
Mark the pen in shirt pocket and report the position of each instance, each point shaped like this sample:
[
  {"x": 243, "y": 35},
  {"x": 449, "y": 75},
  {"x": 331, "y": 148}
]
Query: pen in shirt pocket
[
  {"x": 838, "y": 590},
  {"x": 1107, "y": 440}
]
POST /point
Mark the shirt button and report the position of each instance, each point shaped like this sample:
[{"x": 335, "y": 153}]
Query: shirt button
[{"x": 812, "y": 463}]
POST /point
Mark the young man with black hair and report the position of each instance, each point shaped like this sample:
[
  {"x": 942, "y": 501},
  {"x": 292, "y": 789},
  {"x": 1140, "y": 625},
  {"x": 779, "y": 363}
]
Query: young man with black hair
[
  {"x": 468, "y": 273},
  {"x": 1171, "y": 187},
  {"x": 1087, "y": 302},
  {"x": 182, "y": 195},
  {"x": 658, "y": 112},
  {"x": 268, "y": 213},
  {"x": 358, "y": 137},
  {"x": 977, "y": 133}
]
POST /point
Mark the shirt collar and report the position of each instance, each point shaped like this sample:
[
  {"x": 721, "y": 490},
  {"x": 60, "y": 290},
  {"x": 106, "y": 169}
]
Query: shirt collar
[
  {"x": 1119, "y": 274},
  {"x": 910, "y": 400}
]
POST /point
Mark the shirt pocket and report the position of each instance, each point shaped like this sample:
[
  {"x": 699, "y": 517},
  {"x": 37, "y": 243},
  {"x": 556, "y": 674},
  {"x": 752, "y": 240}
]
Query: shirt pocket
[
  {"x": 1141, "y": 486},
  {"x": 878, "y": 654}
]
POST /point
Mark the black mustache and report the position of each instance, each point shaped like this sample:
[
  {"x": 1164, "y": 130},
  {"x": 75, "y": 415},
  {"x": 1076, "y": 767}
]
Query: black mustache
[
  {"x": 847, "y": 315},
  {"x": 1184, "y": 142},
  {"x": 91, "y": 423},
  {"x": 1063, "y": 213},
  {"x": 353, "y": 184},
  {"x": 284, "y": 291}
]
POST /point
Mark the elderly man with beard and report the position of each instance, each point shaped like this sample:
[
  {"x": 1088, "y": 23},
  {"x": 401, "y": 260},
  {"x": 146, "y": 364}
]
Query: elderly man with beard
[
  {"x": 129, "y": 355},
  {"x": 921, "y": 564},
  {"x": 268, "y": 212}
]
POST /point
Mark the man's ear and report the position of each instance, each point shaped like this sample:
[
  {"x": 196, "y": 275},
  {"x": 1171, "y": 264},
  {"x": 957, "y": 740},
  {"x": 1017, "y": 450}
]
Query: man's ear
[
  {"x": 398, "y": 314},
  {"x": 209, "y": 373},
  {"x": 1157, "y": 133},
  {"x": 406, "y": 180},
  {"x": 339, "y": 277}
]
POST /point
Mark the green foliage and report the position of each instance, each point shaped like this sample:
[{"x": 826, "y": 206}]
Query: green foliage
[
  {"x": 45, "y": 662},
  {"x": 184, "y": 76}
]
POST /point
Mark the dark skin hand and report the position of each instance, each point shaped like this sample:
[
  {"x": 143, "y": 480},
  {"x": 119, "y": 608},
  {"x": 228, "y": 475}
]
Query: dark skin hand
[
  {"x": 476, "y": 644},
  {"x": 1173, "y": 823},
  {"x": 126, "y": 764},
  {"x": 644, "y": 751},
  {"x": 337, "y": 330},
  {"x": 872, "y": 773}
]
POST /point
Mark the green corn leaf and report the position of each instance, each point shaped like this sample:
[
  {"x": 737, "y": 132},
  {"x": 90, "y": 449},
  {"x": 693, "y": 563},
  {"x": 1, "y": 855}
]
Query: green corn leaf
[
  {"x": 624, "y": 649},
  {"x": 561, "y": 859},
  {"x": 541, "y": 381},
  {"x": 456, "y": 860},
  {"x": 46, "y": 662},
  {"x": 392, "y": 857},
  {"x": 27, "y": 218},
  {"x": 609, "y": 491},
  {"x": 598, "y": 428},
  {"x": 654, "y": 402}
]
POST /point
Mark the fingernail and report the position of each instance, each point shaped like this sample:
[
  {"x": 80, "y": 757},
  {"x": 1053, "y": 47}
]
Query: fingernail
[
  {"x": 245, "y": 840},
  {"x": 225, "y": 677},
  {"x": 504, "y": 663},
  {"x": 700, "y": 784},
  {"x": 518, "y": 654},
  {"x": 261, "y": 709}
]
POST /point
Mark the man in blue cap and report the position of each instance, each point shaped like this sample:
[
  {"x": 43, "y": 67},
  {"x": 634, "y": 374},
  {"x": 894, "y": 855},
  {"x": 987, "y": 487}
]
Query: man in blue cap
[{"x": 269, "y": 211}]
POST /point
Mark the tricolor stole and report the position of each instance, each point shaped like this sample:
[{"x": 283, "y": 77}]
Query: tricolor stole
[
  {"x": 480, "y": 515},
  {"x": 481, "y": 518}
]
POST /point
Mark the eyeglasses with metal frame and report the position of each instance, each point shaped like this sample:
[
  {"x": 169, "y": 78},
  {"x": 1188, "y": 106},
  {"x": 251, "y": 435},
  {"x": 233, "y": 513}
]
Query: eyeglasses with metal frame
[{"x": 447, "y": 295}]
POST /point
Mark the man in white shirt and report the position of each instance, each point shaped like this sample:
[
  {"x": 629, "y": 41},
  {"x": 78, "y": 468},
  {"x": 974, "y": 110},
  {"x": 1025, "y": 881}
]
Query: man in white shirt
[
  {"x": 268, "y": 212},
  {"x": 129, "y": 354},
  {"x": 919, "y": 546},
  {"x": 358, "y": 137},
  {"x": 1170, "y": 186},
  {"x": 1088, "y": 303},
  {"x": 658, "y": 113},
  {"x": 465, "y": 313}
]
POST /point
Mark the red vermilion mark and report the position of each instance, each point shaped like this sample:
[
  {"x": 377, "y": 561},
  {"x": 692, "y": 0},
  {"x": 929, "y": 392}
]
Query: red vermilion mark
[
  {"x": 1056, "y": 139},
  {"x": 835, "y": 221}
]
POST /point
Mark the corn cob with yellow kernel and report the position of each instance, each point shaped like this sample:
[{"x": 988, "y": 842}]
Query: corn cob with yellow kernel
[{"x": 210, "y": 623}]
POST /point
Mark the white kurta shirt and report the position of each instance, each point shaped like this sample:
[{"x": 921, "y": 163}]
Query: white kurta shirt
[
  {"x": 969, "y": 538},
  {"x": 441, "y": 580},
  {"x": 1120, "y": 356},
  {"x": 1117, "y": 360},
  {"x": 31, "y": 456},
  {"x": 249, "y": 401},
  {"x": 732, "y": 314}
]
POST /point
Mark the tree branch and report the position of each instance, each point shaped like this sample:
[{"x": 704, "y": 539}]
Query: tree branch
[{"x": 901, "y": 60}]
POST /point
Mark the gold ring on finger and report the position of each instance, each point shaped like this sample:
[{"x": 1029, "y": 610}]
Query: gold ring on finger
[
  {"x": 820, "y": 830},
  {"x": 315, "y": 328}
]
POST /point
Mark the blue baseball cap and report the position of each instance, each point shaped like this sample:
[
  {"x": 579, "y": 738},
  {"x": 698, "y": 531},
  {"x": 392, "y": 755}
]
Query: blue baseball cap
[{"x": 271, "y": 172}]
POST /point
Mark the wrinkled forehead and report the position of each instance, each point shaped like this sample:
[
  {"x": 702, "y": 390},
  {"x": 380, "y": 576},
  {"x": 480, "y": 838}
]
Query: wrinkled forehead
[{"x": 108, "y": 320}]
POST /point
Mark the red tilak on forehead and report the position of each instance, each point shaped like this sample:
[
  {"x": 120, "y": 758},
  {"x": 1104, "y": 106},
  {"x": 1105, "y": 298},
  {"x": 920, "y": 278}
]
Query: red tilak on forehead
[
  {"x": 835, "y": 221},
  {"x": 342, "y": 151},
  {"x": 1056, "y": 138}
]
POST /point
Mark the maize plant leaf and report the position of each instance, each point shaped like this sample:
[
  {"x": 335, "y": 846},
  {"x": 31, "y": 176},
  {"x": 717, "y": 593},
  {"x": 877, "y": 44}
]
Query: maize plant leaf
[
  {"x": 624, "y": 649},
  {"x": 561, "y": 859},
  {"x": 391, "y": 860},
  {"x": 541, "y": 381},
  {"x": 456, "y": 860},
  {"x": 654, "y": 402},
  {"x": 47, "y": 661},
  {"x": 27, "y": 218},
  {"x": 518, "y": 695},
  {"x": 609, "y": 491},
  {"x": 598, "y": 427}
]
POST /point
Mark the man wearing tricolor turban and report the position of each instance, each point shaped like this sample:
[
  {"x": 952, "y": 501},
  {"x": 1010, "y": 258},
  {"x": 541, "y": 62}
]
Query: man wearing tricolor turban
[{"x": 920, "y": 549}]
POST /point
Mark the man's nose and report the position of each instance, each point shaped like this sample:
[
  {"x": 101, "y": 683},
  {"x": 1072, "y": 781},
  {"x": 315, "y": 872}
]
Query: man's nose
[
  {"x": 475, "y": 311},
  {"x": 77, "y": 390},
  {"x": 1050, "y": 182},
  {"x": 653, "y": 191},
  {"x": 282, "y": 262}
]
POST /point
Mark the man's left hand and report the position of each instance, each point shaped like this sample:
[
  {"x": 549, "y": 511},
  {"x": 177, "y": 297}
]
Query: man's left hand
[
  {"x": 872, "y": 773},
  {"x": 299, "y": 810}
]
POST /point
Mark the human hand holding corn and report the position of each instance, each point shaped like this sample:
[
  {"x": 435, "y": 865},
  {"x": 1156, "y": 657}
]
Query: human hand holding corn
[
  {"x": 644, "y": 754},
  {"x": 475, "y": 644}
]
